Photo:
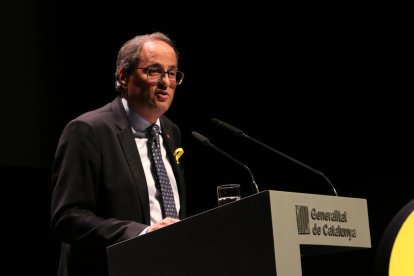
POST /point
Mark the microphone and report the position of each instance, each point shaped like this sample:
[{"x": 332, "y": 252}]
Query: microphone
[
  {"x": 240, "y": 133},
  {"x": 205, "y": 141}
]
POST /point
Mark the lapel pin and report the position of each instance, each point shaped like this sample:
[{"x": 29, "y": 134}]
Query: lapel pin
[{"x": 178, "y": 153}]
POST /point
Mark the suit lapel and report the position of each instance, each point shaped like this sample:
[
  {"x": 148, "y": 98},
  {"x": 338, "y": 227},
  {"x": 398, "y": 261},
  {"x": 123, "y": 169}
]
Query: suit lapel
[{"x": 130, "y": 150}]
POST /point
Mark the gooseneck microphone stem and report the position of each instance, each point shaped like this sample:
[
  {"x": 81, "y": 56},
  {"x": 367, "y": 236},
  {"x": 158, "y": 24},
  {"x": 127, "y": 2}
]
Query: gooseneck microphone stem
[
  {"x": 238, "y": 162},
  {"x": 293, "y": 160},
  {"x": 205, "y": 141},
  {"x": 240, "y": 133}
]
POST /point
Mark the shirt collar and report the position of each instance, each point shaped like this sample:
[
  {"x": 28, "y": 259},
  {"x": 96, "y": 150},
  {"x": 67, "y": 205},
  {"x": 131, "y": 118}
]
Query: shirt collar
[{"x": 138, "y": 123}]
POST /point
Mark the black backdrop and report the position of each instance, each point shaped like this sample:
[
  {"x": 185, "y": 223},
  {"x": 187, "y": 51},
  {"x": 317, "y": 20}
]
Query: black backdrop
[{"x": 326, "y": 86}]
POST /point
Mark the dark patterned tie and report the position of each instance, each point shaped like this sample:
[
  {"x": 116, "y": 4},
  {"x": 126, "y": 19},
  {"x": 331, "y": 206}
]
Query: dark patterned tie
[{"x": 161, "y": 172}]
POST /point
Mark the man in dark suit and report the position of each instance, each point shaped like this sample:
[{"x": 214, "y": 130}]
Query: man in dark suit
[{"x": 105, "y": 189}]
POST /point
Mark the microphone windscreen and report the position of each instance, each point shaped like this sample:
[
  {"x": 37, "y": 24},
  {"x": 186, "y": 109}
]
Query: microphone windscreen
[
  {"x": 202, "y": 139},
  {"x": 228, "y": 127}
]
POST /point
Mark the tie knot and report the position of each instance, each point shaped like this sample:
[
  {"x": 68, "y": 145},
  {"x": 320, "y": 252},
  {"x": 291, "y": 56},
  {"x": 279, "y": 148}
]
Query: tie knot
[{"x": 154, "y": 130}]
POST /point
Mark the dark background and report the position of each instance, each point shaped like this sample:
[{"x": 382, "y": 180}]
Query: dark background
[{"x": 326, "y": 85}]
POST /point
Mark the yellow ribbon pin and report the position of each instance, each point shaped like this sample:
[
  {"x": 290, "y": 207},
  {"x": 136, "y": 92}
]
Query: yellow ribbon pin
[{"x": 177, "y": 153}]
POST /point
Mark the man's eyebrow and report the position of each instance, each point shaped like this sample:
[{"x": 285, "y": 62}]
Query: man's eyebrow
[{"x": 156, "y": 64}]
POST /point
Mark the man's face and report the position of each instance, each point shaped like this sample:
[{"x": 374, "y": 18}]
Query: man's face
[{"x": 147, "y": 96}]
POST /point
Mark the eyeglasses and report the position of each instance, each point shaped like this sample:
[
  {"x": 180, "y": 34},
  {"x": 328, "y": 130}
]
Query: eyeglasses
[{"x": 156, "y": 74}]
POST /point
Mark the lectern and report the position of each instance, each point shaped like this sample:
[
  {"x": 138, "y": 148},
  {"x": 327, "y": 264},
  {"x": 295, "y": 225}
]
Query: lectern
[{"x": 262, "y": 234}]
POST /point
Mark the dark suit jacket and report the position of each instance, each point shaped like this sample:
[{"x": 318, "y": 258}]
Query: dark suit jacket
[{"x": 100, "y": 194}]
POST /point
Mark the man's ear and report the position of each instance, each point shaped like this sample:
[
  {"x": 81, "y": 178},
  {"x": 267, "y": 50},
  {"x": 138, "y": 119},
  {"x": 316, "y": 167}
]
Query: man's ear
[{"x": 122, "y": 77}]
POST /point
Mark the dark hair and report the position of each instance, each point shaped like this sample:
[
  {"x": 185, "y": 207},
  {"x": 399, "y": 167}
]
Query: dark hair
[{"x": 129, "y": 53}]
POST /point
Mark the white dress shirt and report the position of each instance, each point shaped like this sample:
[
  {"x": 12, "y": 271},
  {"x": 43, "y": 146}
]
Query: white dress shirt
[{"x": 140, "y": 124}]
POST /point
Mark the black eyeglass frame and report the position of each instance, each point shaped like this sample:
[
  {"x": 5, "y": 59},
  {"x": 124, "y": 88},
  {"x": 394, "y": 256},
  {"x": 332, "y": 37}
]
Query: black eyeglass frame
[{"x": 177, "y": 77}]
